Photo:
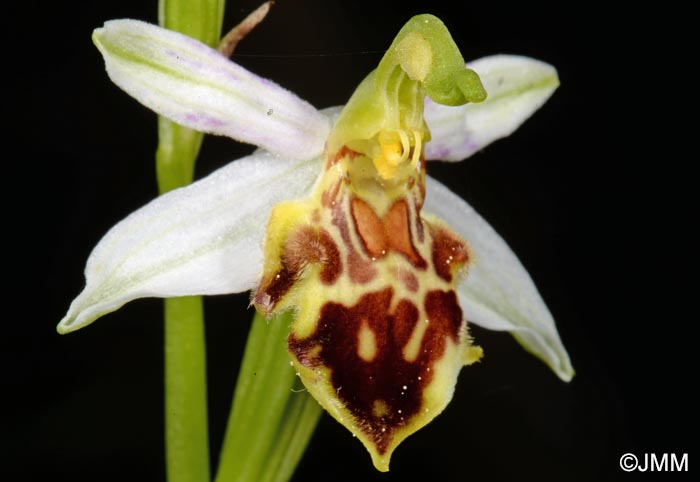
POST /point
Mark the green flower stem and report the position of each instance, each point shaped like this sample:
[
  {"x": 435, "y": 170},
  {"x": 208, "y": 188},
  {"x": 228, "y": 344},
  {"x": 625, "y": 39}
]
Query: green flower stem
[
  {"x": 177, "y": 152},
  {"x": 272, "y": 418},
  {"x": 186, "y": 426},
  {"x": 199, "y": 19},
  {"x": 186, "y": 434}
]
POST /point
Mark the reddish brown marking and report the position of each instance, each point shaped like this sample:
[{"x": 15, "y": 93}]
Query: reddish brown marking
[
  {"x": 369, "y": 227},
  {"x": 360, "y": 270},
  {"x": 340, "y": 221},
  {"x": 420, "y": 231},
  {"x": 390, "y": 233},
  {"x": 344, "y": 151},
  {"x": 332, "y": 266},
  {"x": 407, "y": 278},
  {"x": 449, "y": 252},
  {"x": 444, "y": 316},
  {"x": 304, "y": 246},
  {"x": 329, "y": 195},
  {"x": 398, "y": 232},
  {"x": 421, "y": 184},
  {"x": 271, "y": 290},
  {"x": 308, "y": 245},
  {"x": 406, "y": 317},
  {"x": 359, "y": 383}
]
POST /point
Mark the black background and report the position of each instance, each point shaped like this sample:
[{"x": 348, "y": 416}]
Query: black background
[{"x": 587, "y": 193}]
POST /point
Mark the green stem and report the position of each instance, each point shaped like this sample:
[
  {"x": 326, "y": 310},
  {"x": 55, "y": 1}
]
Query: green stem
[
  {"x": 177, "y": 152},
  {"x": 272, "y": 418},
  {"x": 186, "y": 435},
  {"x": 186, "y": 426},
  {"x": 200, "y": 19}
]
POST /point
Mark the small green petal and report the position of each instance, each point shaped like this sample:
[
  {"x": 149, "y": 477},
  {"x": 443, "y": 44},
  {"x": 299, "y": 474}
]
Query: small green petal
[{"x": 517, "y": 87}]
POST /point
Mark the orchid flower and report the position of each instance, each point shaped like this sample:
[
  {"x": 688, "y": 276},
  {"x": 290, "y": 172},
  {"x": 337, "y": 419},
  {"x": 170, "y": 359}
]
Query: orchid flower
[{"x": 334, "y": 218}]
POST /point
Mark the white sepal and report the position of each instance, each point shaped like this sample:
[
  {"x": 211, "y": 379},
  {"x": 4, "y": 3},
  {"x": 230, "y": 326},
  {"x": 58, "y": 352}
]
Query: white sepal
[
  {"x": 202, "y": 239},
  {"x": 498, "y": 293},
  {"x": 193, "y": 85}
]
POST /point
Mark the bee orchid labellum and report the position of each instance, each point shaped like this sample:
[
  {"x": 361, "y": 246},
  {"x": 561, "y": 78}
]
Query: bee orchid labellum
[{"x": 378, "y": 336}]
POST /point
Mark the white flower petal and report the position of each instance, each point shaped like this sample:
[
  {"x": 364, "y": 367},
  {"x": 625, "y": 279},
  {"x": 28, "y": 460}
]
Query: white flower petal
[
  {"x": 498, "y": 293},
  {"x": 205, "y": 238},
  {"x": 193, "y": 85},
  {"x": 516, "y": 86}
]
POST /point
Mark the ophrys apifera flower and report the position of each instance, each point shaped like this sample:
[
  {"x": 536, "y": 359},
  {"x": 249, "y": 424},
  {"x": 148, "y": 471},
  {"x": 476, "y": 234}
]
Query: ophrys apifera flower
[{"x": 365, "y": 249}]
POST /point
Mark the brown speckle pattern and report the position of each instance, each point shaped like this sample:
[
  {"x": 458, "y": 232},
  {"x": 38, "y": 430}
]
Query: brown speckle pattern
[
  {"x": 377, "y": 313},
  {"x": 388, "y": 379}
]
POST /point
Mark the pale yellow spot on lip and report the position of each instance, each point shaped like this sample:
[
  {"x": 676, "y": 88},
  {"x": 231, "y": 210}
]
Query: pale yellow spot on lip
[
  {"x": 315, "y": 352},
  {"x": 380, "y": 409},
  {"x": 366, "y": 342},
  {"x": 412, "y": 348}
]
